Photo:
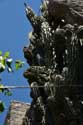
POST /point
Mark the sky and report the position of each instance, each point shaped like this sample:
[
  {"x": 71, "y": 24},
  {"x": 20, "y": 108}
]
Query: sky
[{"x": 14, "y": 29}]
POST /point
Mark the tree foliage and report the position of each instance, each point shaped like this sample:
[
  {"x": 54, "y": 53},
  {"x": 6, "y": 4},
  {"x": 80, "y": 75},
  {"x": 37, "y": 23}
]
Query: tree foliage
[{"x": 6, "y": 65}]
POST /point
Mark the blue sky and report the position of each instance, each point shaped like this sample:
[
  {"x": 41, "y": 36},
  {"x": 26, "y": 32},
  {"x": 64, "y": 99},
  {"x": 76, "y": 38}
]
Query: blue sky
[{"x": 14, "y": 29}]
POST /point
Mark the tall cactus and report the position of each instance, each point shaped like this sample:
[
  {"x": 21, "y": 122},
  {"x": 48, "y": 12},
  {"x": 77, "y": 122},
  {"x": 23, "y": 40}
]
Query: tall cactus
[{"x": 53, "y": 56}]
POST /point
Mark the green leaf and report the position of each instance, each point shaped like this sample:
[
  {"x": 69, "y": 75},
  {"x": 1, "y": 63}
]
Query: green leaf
[
  {"x": 19, "y": 64},
  {"x": 6, "y": 55},
  {"x": 0, "y": 53},
  {"x": 2, "y": 60},
  {"x": 2, "y": 106},
  {"x": 2, "y": 67},
  {"x": 9, "y": 63},
  {"x": 8, "y": 92},
  {"x": 9, "y": 69},
  {"x": 1, "y": 88}
]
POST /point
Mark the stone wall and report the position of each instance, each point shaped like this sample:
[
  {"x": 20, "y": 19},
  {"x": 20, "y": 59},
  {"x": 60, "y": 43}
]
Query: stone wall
[{"x": 16, "y": 113}]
